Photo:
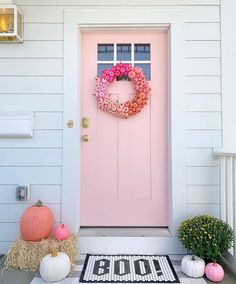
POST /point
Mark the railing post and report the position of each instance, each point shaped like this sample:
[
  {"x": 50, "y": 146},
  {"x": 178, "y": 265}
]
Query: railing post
[
  {"x": 223, "y": 188},
  {"x": 227, "y": 190},
  {"x": 229, "y": 193},
  {"x": 234, "y": 204}
]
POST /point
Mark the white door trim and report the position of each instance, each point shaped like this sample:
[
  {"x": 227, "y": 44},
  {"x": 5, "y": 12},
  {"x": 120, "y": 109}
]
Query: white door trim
[{"x": 126, "y": 18}]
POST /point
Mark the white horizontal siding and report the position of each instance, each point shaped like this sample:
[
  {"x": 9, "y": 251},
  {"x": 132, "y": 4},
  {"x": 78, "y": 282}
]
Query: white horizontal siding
[
  {"x": 203, "y": 195},
  {"x": 201, "y": 157},
  {"x": 9, "y": 231},
  {"x": 43, "y": 31},
  {"x": 30, "y": 102},
  {"x": 15, "y": 211},
  {"x": 203, "y": 102},
  {"x": 30, "y": 85},
  {"x": 49, "y": 193},
  {"x": 202, "y": 66},
  {"x": 202, "y": 176},
  {"x": 203, "y": 115},
  {"x": 202, "y": 49},
  {"x": 202, "y": 14},
  {"x": 203, "y": 120},
  {"x": 32, "y": 49},
  {"x": 203, "y": 84},
  {"x": 30, "y": 175},
  {"x": 46, "y": 14},
  {"x": 48, "y": 120},
  {"x": 203, "y": 138},
  {"x": 41, "y": 139},
  {"x": 30, "y": 157},
  {"x": 209, "y": 209},
  {"x": 202, "y": 31},
  {"x": 54, "y": 14},
  {"x": 4, "y": 246},
  {"x": 31, "y": 67}
]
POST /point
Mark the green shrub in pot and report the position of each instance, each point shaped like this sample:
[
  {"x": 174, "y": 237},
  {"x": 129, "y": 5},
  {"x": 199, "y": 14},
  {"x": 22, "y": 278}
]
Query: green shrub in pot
[{"x": 206, "y": 236}]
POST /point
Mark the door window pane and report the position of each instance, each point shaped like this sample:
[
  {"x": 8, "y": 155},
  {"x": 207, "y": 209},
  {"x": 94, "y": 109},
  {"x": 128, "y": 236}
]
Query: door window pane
[
  {"x": 105, "y": 52},
  {"x": 127, "y": 52},
  {"x": 101, "y": 67},
  {"x": 146, "y": 68},
  {"x": 141, "y": 52},
  {"x": 123, "y": 52}
]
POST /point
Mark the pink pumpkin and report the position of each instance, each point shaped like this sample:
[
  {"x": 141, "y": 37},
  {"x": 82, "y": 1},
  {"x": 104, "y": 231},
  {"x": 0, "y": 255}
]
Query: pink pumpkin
[
  {"x": 61, "y": 232},
  {"x": 214, "y": 272}
]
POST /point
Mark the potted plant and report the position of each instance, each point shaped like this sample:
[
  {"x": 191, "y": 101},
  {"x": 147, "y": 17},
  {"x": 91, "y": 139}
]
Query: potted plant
[{"x": 208, "y": 238}]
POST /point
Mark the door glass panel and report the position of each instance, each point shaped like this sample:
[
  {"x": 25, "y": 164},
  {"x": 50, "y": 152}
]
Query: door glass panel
[
  {"x": 146, "y": 69},
  {"x": 130, "y": 53},
  {"x": 141, "y": 52},
  {"x": 123, "y": 52},
  {"x": 101, "y": 67},
  {"x": 105, "y": 52}
]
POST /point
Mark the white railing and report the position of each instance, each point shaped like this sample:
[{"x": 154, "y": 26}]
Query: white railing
[{"x": 228, "y": 189}]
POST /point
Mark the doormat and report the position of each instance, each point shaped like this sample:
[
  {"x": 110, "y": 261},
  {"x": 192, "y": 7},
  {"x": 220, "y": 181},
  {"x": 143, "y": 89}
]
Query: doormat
[
  {"x": 128, "y": 269},
  {"x": 74, "y": 276}
]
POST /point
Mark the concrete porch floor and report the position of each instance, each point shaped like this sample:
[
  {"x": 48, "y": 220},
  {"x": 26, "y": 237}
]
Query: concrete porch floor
[{"x": 21, "y": 277}]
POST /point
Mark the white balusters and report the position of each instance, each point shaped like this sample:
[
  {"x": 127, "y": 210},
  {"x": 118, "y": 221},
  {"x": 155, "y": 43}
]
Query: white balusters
[
  {"x": 223, "y": 187},
  {"x": 228, "y": 189}
]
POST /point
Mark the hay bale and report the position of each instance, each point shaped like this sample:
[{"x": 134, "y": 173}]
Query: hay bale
[{"x": 27, "y": 255}]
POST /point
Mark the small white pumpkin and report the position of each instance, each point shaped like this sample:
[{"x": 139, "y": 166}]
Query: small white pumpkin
[
  {"x": 193, "y": 266},
  {"x": 55, "y": 266}
]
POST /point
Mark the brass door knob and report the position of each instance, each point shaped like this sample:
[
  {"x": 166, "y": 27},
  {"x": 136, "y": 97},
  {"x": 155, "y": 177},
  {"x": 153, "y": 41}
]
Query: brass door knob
[{"x": 85, "y": 138}]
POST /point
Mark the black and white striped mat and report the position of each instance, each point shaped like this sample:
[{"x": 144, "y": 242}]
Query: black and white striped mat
[{"x": 128, "y": 269}]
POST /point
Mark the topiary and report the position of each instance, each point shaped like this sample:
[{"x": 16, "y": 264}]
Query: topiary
[{"x": 206, "y": 236}]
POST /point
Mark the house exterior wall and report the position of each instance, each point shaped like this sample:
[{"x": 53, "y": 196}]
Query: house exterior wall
[{"x": 31, "y": 79}]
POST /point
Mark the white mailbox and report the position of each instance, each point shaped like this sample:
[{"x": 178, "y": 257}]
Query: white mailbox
[{"x": 16, "y": 125}]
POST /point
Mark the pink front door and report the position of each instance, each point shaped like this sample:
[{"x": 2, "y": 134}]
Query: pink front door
[{"x": 124, "y": 164}]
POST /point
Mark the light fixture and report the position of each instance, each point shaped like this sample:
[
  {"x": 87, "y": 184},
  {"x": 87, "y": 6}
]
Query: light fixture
[{"x": 11, "y": 24}]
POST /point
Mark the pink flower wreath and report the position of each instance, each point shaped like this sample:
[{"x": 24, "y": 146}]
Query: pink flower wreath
[{"x": 131, "y": 107}]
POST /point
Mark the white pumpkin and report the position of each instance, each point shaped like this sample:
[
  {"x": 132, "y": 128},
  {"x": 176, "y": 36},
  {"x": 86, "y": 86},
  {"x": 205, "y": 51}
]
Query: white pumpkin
[
  {"x": 55, "y": 266},
  {"x": 193, "y": 266}
]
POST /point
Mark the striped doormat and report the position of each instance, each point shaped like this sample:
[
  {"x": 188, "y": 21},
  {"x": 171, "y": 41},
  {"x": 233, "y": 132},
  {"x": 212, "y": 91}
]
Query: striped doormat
[{"x": 128, "y": 269}]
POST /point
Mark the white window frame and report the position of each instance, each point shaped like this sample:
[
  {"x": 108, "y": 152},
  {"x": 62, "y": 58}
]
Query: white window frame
[
  {"x": 131, "y": 61},
  {"x": 149, "y": 18}
]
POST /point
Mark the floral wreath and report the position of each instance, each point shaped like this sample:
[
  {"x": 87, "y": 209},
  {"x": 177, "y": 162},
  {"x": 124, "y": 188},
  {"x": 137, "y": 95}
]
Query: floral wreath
[{"x": 128, "y": 108}]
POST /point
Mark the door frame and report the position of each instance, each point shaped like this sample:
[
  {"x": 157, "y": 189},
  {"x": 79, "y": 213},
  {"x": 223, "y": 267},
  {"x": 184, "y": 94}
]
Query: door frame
[{"x": 75, "y": 22}]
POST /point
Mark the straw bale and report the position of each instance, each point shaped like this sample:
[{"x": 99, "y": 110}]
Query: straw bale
[{"x": 26, "y": 255}]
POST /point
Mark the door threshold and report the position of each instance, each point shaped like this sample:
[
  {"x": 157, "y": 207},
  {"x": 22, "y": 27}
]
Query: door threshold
[{"x": 123, "y": 232}]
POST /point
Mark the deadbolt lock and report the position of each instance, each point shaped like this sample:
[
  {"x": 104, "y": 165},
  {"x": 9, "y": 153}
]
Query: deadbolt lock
[
  {"x": 85, "y": 122},
  {"x": 70, "y": 123}
]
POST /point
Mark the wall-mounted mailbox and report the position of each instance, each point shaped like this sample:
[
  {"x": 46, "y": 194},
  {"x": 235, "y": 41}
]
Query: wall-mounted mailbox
[
  {"x": 22, "y": 192},
  {"x": 16, "y": 125}
]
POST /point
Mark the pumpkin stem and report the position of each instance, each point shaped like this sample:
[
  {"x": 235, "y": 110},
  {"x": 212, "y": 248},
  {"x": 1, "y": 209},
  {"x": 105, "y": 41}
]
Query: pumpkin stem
[
  {"x": 54, "y": 253},
  {"x": 193, "y": 258},
  {"x": 39, "y": 203},
  {"x": 63, "y": 225}
]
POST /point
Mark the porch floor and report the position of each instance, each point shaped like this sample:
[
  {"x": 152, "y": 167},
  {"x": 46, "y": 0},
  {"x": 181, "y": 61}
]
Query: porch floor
[{"x": 21, "y": 277}]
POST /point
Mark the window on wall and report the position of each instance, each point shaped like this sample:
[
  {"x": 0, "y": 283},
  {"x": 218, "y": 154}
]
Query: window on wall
[{"x": 137, "y": 54}]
